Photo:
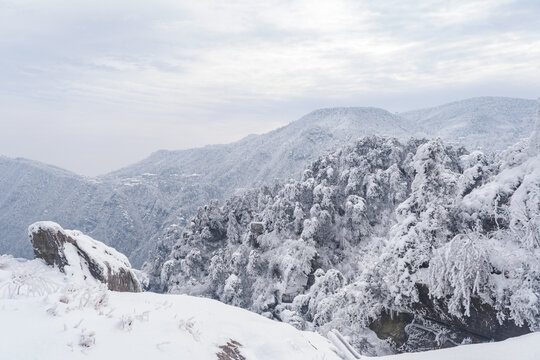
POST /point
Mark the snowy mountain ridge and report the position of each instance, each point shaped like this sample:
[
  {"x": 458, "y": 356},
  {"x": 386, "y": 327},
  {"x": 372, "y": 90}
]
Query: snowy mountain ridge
[
  {"x": 445, "y": 240},
  {"x": 476, "y": 122},
  {"x": 127, "y": 208}
]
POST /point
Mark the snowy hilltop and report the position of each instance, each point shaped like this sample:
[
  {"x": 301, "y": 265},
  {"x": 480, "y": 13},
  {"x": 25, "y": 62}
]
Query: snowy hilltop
[
  {"x": 128, "y": 207},
  {"x": 426, "y": 245},
  {"x": 61, "y": 315}
]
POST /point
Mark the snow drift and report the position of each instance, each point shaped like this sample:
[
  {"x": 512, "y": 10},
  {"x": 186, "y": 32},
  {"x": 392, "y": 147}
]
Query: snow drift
[{"x": 48, "y": 314}]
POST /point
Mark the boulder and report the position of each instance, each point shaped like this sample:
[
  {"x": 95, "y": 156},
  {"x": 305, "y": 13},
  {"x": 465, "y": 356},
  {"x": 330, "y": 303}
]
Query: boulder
[
  {"x": 256, "y": 227},
  {"x": 429, "y": 325},
  {"x": 80, "y": 256}
]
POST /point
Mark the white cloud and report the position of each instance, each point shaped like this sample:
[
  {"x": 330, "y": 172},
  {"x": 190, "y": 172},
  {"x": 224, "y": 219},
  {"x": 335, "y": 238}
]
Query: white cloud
[{"x": 150, "y": 69}]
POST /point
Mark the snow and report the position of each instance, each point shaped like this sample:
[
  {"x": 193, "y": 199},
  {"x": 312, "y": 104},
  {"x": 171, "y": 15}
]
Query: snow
[
  {"x": 102, "y": 255},
  {"x": 149, "y": 326},
  {"x": 72, "y": 319},
  {"x": 534, "y": 142},
  {"x": 526, "y": 347},
  {"x": 44, "y": 225},
  {"x": 61, "y": 318}
]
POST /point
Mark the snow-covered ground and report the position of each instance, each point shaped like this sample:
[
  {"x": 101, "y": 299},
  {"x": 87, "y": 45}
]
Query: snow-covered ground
[{"x": 46, "y": 315}]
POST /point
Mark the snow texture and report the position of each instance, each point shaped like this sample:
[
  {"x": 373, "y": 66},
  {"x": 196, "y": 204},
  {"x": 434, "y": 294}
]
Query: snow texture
[
  {"x": 46, "y": 314},
  {"x": 524, "y": 348},
  {"x": 534, "y": 146}
]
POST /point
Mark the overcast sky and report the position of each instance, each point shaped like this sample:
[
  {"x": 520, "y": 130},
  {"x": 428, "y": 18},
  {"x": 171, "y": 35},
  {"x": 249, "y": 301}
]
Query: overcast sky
[{"x": 93, "y": 85}]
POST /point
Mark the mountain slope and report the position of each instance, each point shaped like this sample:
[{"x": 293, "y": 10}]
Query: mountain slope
[
  {"x": 425, "y": 244},
  {"x": 281, "y": 153},
  {"x": 28, "y": 191},
  {"x": 123, "y": 214},
  {"x": 485, "y": 123},
  {"x": 128, "y": 208}
]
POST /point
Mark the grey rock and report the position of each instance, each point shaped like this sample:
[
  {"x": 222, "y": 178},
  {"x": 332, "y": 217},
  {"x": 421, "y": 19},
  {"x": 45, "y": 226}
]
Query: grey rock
[{"x": 103, "y": 263}]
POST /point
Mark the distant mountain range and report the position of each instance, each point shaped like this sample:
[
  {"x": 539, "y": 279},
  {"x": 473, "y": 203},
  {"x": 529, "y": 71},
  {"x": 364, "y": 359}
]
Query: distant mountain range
[
  {"x": 128, "y": 207},
  {"x": 485, "y": 123}
]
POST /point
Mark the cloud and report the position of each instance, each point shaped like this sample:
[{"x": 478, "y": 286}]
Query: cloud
[{"x": 150, "y": 69}]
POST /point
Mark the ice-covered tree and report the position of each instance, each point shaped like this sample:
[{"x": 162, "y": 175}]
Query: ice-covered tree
[{"x": 366, "y": 229}]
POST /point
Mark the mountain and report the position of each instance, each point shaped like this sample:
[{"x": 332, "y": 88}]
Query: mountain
[
  {"x": 484, "y": 123},
  {"x": 128, "y": 208},
  {"x": 124, "y": 214},
  {"x": 31, "y": 190},
  {"x": 282, "y": 153},
  {"x": 425, "y": 244}
]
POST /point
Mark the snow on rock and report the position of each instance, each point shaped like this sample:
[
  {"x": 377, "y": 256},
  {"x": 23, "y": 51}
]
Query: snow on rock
[{"x": 80, "y": 256}]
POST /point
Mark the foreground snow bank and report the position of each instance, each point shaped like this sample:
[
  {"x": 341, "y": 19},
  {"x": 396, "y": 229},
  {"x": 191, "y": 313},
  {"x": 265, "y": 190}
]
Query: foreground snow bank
[
  {"x": 44, "y": 314},
  {"x": 49, "y": 315},
  {"x": 525, "y": 347}
]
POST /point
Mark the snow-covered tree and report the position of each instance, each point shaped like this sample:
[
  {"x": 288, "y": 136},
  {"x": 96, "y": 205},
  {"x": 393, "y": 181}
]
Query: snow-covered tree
[{"x": 374, "y": 229}]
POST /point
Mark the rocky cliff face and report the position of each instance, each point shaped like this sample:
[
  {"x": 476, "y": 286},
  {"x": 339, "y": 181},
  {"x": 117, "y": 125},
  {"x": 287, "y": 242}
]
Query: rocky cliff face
[{"x": 79, "y": 255}]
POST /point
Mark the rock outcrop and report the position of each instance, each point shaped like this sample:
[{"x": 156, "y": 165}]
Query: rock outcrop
[
  {"x": 430, "y": 325},
  {"x": 79, "y": 255}
]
